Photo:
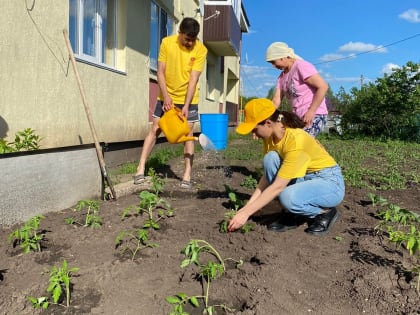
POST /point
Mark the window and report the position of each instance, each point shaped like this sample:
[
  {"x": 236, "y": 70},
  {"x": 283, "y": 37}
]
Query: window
[
  {"x": 93, "y": 30},
  {"x": 161, "y": 26}
]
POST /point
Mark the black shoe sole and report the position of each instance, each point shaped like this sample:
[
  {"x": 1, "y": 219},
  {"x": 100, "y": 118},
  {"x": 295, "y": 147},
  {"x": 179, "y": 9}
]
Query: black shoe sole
[
  {"x": 284, "y": 228},
  {"x": 335, "y": 218}
]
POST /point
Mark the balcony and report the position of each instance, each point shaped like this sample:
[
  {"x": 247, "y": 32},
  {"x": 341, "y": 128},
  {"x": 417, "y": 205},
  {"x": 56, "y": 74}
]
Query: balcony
[{"x": 222, "y": 32}]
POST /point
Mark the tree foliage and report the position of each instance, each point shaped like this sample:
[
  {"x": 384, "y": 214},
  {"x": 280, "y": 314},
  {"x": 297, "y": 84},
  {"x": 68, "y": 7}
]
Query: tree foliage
[{"x": 388, "y": 108}]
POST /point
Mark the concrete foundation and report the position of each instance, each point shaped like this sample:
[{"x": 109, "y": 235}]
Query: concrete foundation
[{"x": 38, "y": 182}]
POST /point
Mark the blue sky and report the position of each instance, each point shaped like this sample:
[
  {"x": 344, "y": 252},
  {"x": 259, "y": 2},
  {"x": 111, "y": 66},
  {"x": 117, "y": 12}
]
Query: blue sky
[{"x": 369, "y": 36}]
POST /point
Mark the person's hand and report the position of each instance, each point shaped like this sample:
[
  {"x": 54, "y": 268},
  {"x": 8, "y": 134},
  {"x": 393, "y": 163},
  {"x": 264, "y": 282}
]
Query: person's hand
[
  {"x": 185, "y": 111},
  {"x": 237, "y": 221},
  {"x": 308, "y": 118},
  {"x": 167, "y": 104}
]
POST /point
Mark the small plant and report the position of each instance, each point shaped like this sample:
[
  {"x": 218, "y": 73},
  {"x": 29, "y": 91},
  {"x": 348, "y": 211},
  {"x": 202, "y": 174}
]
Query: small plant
[
  {"x": 60, "y": 281},
  {"x": 157, "y": 182},
  {"x": 249, "y": 182},
  {"x": 134, "y": 241},
  {"x": 178, "y": 301},
  {"x": 28, "y": 237},
  {"x": 5, "y": 147},
  {"x": 235, "y": 202},
  {"x": 403, "y": 228},
  {"x": 92, "y": 218},
  {"x": 150, "y": 203},
  {"x": 41, "y": 302},
  {"x": 207, "y": 271},
  {"x": 59, "y": 287},
  {"x": 377, "y": 200},
  {"x": 246, "y": 228},
  {"x": 25, "y": 140}
]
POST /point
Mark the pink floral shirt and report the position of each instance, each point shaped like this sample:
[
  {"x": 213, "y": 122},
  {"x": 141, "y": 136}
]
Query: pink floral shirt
[{"x": 292, "y": 85}]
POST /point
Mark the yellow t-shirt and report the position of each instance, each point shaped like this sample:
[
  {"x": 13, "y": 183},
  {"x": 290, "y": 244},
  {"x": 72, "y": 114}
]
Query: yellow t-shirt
[
  {"x": 180, "y": 61},
  {"x": 300, "y": 154}
]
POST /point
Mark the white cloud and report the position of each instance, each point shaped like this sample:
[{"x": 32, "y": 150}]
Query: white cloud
[
  {"x": 257, "y": 80},
  {"x": 361, "y": 47},
  {"x": 389, "y": 68},
  {"x": 411, "y": 15},
  {"x": 331, "y": 57}
]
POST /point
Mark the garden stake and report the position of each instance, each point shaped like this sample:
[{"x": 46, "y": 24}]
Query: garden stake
[{"x": 92, "y": 126}]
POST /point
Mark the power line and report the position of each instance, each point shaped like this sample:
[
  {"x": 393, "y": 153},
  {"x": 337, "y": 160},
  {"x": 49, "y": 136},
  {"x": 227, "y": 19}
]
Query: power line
[{"x": 369, "y": 51}]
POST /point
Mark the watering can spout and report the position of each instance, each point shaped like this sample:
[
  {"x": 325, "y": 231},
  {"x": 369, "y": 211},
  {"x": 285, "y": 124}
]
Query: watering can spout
[{"x": 186, "y": 138}]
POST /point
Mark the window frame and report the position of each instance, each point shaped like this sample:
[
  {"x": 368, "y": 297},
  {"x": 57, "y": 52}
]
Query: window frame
[
  {"x": 158, "y": 32},
  {"x": 77, "y": 35}
]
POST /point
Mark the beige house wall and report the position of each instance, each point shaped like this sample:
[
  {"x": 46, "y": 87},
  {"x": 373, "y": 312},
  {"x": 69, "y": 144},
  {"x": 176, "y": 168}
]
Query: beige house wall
[{"x": 39, "y": 89}]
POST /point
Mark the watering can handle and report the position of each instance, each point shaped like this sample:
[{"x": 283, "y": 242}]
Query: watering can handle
[{"x": 179, "y": 114}]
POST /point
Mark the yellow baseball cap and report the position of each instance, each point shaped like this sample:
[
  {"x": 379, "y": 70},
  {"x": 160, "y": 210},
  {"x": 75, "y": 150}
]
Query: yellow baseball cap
[{"x": 256, "y": 111}]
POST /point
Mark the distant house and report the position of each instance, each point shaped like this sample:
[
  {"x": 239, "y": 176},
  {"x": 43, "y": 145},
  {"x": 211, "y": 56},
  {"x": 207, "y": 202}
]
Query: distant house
[
  {"x": 333, "y": 120},
  {"x": 116, "y": 44}
]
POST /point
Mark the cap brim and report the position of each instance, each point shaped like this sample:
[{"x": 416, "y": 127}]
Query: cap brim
[{"x": 245, "y": 128}]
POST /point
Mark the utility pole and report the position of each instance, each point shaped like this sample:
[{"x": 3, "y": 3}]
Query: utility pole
[{"x": 361, "y": 81}]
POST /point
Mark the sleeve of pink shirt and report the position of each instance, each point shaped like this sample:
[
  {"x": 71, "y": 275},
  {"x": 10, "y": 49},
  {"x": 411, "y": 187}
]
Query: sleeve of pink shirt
[{"x": 306, "y": 69}]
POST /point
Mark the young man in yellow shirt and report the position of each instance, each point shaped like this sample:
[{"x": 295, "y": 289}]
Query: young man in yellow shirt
[{"x": 180, "y": 63}]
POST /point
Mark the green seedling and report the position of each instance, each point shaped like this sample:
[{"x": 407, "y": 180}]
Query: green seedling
[
  {"x": 403, "y": 228},
  {"x": 207, "y": 271},
  {"x": 249, "y": 182},
  {"x": 377, "y": 200},
  {"x": 157, "y": 182},
  {"x": 28, "y": 237},
  {"x": 133, "y": 241},
  {"x": 156, "y": 209},
  {"x": 149, "y": 202},
  {"x": 235, "y": 202},
  {"x": 246, "y": 228},
  {"x": 60, "y": 281},
  {"x": 398, "y": 216},
  {"x": 41, "y": 302},
  {"x": 92, "y": 218},
  {"x": 179, "y": 301},
  {"x": 339, "y": 238}
]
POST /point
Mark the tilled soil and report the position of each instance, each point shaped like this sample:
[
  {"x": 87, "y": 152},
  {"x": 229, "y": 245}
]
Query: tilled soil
[{"x": 351, "y": 270}]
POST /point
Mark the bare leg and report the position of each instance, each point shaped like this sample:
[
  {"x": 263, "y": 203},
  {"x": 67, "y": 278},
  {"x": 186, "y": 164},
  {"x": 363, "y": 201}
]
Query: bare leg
[
  {"x": 188, "y": 155},
  {"x": 148, "y": 145}
]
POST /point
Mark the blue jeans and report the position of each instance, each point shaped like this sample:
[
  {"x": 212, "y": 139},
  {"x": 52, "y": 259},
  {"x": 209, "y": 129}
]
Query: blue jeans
[{"x": 310, "y": 194}]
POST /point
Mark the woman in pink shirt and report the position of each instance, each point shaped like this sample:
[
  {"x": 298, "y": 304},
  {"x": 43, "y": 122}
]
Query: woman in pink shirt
[{"x": 301, "y": 84}]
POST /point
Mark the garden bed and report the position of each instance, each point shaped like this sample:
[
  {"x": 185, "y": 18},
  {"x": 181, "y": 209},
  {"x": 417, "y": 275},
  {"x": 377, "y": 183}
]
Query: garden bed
[{"x": 351, "y": 270}]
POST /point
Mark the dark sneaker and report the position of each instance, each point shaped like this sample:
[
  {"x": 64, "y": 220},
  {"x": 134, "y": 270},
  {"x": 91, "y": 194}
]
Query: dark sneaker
[
  {"x": 286, "y": 222},
  {"x": 322, "y": 223}
]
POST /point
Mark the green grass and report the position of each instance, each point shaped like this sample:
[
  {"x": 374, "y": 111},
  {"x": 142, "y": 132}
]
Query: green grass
[
  {"x": 366, "y": 163},
  {"x": 374, "y": 164},
  {"x": 157, "y": 160}
]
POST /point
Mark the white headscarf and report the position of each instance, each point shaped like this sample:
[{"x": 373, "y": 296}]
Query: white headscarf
[{"x": 279, "y": 50}]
